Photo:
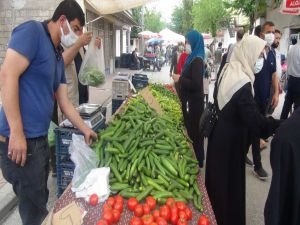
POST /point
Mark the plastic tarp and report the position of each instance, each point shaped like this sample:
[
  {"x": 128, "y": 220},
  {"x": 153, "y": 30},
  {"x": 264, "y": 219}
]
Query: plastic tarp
[
  {"x": 148, "y": 34},
  {"x": 169, "y": 36},
  {"x": 291, "y": 7},
  {"x": 105, "y": 7}
]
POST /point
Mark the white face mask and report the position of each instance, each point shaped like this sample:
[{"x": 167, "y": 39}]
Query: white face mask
[
  {"x": 269, "y": 38},
  {"x": 258, "y": 65},
  {"x": 188, "y": 49},
  {"x": 69, "y": 39}
]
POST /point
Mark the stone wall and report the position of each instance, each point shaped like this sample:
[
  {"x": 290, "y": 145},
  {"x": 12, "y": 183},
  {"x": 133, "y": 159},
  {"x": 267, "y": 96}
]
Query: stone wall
[{"x": 9, "y": 17}]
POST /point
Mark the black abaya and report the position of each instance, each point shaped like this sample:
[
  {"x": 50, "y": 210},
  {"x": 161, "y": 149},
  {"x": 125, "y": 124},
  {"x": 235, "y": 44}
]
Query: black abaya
[
  {"x": 283, "y": 202},
  {"x": 227, "y": 145}
]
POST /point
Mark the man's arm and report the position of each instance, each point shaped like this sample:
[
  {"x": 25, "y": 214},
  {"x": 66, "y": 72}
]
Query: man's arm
[
  {"x": 13, "y": 67},
  {"x": 275, "y": 85},
  {"x": 70, "y": 53},
  {"x": 68, "y": 109}
]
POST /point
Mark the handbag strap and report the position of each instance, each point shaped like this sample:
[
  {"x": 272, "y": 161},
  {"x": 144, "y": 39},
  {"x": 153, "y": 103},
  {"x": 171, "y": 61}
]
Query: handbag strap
[{"x": 217, "y": 90}]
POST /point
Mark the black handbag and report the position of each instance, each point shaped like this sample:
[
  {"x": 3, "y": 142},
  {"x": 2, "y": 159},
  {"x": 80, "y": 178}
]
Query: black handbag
[{"x": 209, "y": 116}]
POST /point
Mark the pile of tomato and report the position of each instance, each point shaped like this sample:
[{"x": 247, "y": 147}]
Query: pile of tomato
[
  {"x": 112, "y": 210},
  {"x": 175, "y": 213},
  {"x": 170, "y": 88}
]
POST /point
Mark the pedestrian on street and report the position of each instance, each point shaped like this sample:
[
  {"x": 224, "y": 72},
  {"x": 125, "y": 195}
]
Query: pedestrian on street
[
  {"x": 293, "y": 87},
  {"x": 191, "y": 90},
  {"x": 266, "y": 82},
  {"x": 283, "y": 202},
  {"x": 218, "y": 57},
  {"x": 227, "y": 144},
  {"x": 31, "y": 75},
  {"x": 206, "y": 82}
]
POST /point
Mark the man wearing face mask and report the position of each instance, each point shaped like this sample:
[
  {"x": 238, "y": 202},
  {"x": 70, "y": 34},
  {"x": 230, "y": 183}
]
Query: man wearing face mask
[
  {"x": 265, "y": 79},
  {"x": 31, "y": 76}
]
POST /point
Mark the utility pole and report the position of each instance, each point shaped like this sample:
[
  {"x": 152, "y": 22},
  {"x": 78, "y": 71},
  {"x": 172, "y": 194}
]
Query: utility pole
[{"x": 142, "y": 25}]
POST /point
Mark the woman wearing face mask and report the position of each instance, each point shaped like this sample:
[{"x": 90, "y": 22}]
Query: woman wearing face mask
[
  {"x": 191, "y": 90},
  {"x": 227, "y": 144}
]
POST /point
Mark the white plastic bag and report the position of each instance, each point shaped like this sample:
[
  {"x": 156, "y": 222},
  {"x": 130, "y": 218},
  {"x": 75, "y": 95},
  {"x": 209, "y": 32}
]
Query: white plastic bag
[
  {"x": 92, "y": 70},
  {"x": 84, "y": 157}
]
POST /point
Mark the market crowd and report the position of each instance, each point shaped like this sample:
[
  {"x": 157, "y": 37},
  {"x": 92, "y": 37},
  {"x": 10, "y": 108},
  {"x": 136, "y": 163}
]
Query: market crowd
[{"x": 39, "y": 74}]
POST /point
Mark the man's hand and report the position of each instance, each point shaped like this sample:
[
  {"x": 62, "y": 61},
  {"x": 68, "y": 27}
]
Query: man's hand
[
  {"x": 275, "y": 100},
  {"x": 175, "y": 77},
  {"x": 85, "y": 38},
  {"x": 17, "y": 148},
  {"x": 89, "y": 136}
]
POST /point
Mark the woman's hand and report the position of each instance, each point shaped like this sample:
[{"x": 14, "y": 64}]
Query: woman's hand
[{"x": 175, "y": 77}]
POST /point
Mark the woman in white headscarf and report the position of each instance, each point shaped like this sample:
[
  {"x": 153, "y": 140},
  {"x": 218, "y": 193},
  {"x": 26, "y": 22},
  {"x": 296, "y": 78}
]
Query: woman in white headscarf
[{"x": 227, "y": 144}]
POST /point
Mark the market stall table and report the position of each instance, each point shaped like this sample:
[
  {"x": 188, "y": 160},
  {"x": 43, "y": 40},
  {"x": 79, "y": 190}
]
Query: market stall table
[{"x": 94, "y": 212}]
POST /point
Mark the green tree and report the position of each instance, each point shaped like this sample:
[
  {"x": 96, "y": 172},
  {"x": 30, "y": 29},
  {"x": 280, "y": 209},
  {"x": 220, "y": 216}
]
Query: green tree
[
  {"x": 176, "y": 20},
  {"x": 137, "y": 16},
  {"x": 152, "y": 21},
  {"x": 252, "y": 9},
  {"x": 210, "y": 15}
]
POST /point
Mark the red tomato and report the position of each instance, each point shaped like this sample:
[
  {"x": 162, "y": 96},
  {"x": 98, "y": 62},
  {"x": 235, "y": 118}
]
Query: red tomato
[
  {"x": 182, "y": 221},
  {"x": 165, "y": 212},
  {"x": 138, "y": 211},
  {"x": 203, "y": 220},
  {"x": 156, "y": 213},
  {"x": 93, "y": 199},
  {"x": 181, "y": 205},
  {"x": 107, "y": 207},
  {"x": 171, "y": 202},
  {"x": 151, "y": 202},
  {"x": 136, "y": 221},
  {"x": 153, "y": 223},
  {"x": 120, "y": 199},
  {"x": 161, "y": 221},
  {"x": 174, "y": 210},
  {"x": 108, "y": 216},
  {"x": 182, "y": 214},
  {"x": 174, "y": 218},
  {"x": 147, "y": 219},
  {"x": 188, "y": 213},
  {"x": 102, "y": 222},
  {"x": 146, "y": 209},
  {"x": 111, "y": 201},
  {"x": 118, "y": 206},
  {"x": 131, "y": 203},
  {"x": 116, "y": 215}
]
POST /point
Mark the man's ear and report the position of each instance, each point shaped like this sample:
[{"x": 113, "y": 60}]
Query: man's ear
[{"x": 62, "y": 19}]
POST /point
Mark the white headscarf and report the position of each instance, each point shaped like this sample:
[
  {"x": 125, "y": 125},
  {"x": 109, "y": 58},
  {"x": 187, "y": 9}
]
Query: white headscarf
[{"x": 240, "y": 70}]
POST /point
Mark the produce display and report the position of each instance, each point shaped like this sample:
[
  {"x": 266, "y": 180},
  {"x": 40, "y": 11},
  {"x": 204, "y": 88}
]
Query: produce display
[
  {"x": 92, "y": 76},
  {"x": 169, "y": 102},
  {"x": 149, "y": 156}
]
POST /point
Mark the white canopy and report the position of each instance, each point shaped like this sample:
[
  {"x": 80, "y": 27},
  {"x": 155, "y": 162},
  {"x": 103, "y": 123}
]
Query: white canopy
[
  {"x": 169, "y": 36},
  {"x": 114, "y": 6},
  {"x": 148, "y": 34}
]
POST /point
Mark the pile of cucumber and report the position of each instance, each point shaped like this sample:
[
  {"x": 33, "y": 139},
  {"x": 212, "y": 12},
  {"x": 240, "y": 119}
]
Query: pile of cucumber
[{"x": 148, "y": 156}]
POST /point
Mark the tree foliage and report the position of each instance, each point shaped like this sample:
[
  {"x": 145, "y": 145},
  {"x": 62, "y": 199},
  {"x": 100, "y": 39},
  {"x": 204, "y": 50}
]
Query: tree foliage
[
  {"x": 210, "y": 15},
  {"x": 153, "y": 21},
  {"x": 249, "y": 8},
  {"x": 137, "y": 16}
]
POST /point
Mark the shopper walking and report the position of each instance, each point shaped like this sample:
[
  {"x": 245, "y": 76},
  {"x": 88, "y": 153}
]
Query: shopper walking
[
  {"x": 174, "y": 60},
  {"x": 191, "y": 90},
  {"x": 31, "y": 75},
  {"x": 206, "y": 81},
  {"x": 227, "y": 144}
]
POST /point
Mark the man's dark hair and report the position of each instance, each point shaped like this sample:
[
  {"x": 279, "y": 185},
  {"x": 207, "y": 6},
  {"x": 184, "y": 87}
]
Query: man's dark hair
[
  {"x": 240, "y": 34},
  {"x": 257, "y": 30},
  {"x": 220, "y": 44},
  {"x": 71, "y": 9},
  {"x": 277, "y": 31},
  {"x": 268, "y": 23}
]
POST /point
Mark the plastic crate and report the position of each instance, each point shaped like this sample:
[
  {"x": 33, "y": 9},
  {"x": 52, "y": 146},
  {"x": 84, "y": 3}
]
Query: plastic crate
[
  {"x": 140, "y": 80},
  {"x": 115, "y": 105},
  {"x": 120, "y": 89},
  {"x": 65, "y": 172}
]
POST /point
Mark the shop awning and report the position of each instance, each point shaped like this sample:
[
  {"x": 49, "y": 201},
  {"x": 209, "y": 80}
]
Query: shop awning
[
  {"x": 291, "y": 7},
  {"x": 169, "y": 36},
  {"x": 113, "y": 6},
  {"x": 148, "y": 34}
]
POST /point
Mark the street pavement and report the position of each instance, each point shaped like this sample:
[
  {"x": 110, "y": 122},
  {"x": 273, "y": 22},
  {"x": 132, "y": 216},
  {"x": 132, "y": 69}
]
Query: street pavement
[{"x": 256, "y": 190}]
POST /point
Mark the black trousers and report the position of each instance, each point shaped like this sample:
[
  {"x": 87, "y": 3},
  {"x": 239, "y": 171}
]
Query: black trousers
[
  {"x": 292, "y": 97},
  {"x": 254, "y": 140},
  {"x": 192, "y": 111}
]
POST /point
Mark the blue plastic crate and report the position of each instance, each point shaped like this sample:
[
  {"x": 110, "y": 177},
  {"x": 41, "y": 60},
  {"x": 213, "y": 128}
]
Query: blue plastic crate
[
  {"x": 65, "y": 172},
  {"x": 140, "y": 80},
  {"x": 115, "y": 105}
]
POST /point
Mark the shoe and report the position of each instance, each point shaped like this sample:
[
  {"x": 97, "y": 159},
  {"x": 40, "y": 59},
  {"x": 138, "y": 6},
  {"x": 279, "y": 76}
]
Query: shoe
[
  {"x": 261, "y": 173},
  {"x": 248, "y": 162}
]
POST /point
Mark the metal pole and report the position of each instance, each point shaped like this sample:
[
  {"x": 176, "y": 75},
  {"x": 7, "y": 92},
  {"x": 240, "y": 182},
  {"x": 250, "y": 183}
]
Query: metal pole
[{"x": 142, "y": 24}]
